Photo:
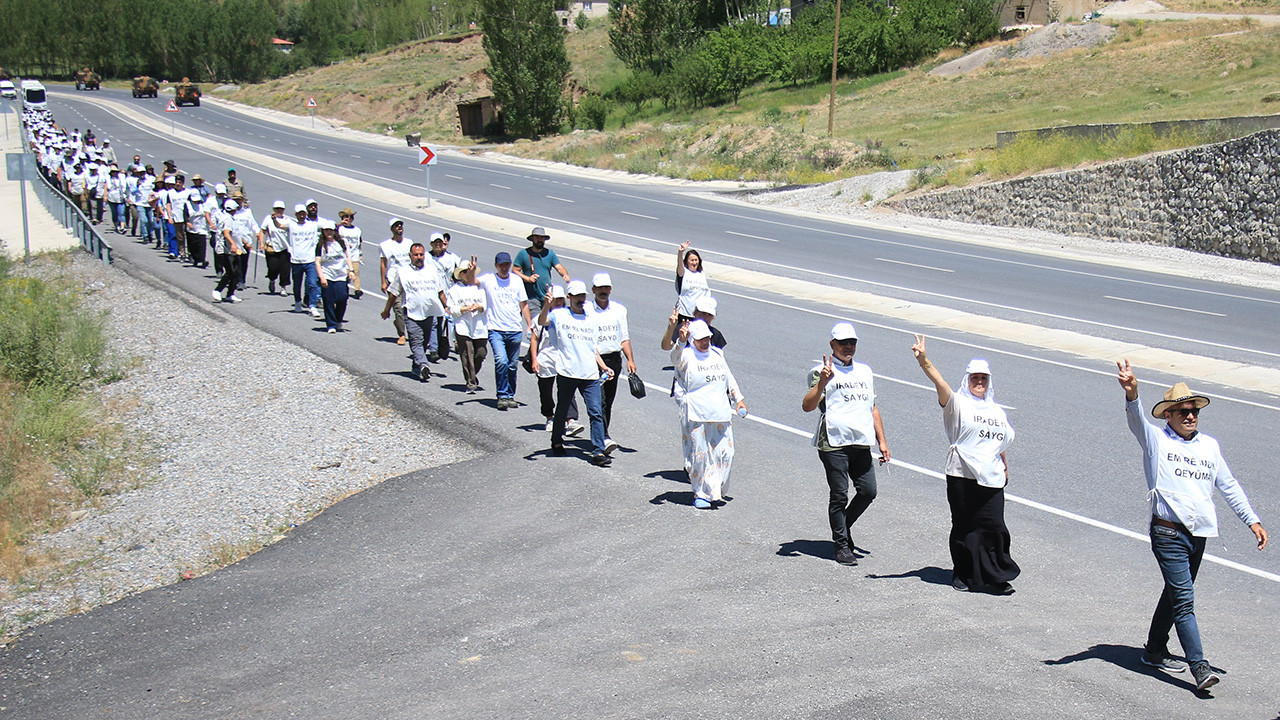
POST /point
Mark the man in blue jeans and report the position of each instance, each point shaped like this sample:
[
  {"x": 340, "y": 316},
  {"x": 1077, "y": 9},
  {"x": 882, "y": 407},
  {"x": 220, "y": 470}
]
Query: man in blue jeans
[
  {"x": 1182, "y": 466},
  {"x": 507, "y": 313},
  {"x": 579, "y": 368}
]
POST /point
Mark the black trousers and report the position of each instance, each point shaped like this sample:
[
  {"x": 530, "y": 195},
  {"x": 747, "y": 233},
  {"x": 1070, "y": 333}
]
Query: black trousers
[
  {"x": 230, "y": 272},
  {"x": 609, "y": 388},
  {"x": 547, "y": 398},
  {"x": 979, "y": 540},
  {"x": 847, "y": 466},
  {"x": 197, "y": 247},
  {"x": 278, "y": 267}
]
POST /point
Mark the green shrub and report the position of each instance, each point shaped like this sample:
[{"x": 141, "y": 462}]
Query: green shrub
[
  {"x": 45, "y": 337},
  {"x": 592, "y": 112}
]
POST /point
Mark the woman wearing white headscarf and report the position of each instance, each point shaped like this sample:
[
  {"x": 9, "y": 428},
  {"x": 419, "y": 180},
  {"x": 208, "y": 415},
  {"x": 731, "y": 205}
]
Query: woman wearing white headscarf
[
  {"x": 977, "y": 471},
  {"x": 709, "y": 388}
]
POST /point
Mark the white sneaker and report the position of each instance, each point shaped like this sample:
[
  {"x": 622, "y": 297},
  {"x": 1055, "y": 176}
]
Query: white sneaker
[
  {"x": 550, "y": 424},
  {"x": 217, "y": 296},
  {"x": 315, "y": 312},
  {"x": 332, "y": 331},
  {"x": 609, "y": 446},
  {"x": 236, "y": 299},
  {"x": 574, "y": 429}
]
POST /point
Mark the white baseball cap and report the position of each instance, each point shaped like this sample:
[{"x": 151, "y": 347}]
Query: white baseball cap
[
  {"x": 706, "y": 304},
  {"x": 392, "y": 222},
  {"x": 220, "y": 189},
  {"x": 557, "y": 291},
  {"x": 230, "y": 205},
  {"x": 601, "y": 280},
  {"x": 327, "y": 225},
  {"x": 299, "y": 208},
  {"x": 434, "y": 237},
  {"x": 576, "y": 287},
  {"x": 978, "y": 365},
  {"x": 699, "y": 330},
  {"x": 843, "y": 331}
]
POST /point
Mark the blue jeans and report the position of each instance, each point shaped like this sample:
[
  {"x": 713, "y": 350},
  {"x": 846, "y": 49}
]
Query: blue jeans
[
  {"x": 171, "y": 238},
  {"x": 304, "y": 274},
  {"x": 1178, "y": 554},
  {"x": 335, "y": 303},
  {"x": 590, "y": 389},
  {"x": 506, "y": 360}
]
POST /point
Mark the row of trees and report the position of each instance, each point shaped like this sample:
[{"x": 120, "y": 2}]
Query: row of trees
[
  {"x": 676, "y": 58},
  {"x": 211, "y": 40}
]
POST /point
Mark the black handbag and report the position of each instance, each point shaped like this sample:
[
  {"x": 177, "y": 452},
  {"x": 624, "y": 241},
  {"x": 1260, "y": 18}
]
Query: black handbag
[{"x": 636, "y": 385}]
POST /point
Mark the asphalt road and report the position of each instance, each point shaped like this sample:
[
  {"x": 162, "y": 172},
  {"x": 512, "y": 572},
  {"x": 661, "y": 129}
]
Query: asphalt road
[{"x": 529, "y": 586}]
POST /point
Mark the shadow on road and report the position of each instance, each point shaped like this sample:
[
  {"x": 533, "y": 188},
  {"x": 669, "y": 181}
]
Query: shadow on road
[
  {"x": 674, "y": 498},
  {"x": 677, "y": 476},
  {"x": 1127, "y": 657},
  {"x": 822, "y": 549}
]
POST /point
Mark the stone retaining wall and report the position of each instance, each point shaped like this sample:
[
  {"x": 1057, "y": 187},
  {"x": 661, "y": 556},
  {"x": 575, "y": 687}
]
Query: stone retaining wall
[{"x": 1222, "y": 199}]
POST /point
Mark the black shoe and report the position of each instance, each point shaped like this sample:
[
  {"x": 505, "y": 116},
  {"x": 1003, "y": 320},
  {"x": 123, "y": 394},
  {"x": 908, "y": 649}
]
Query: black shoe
[
  {"x": 845, "y": 556},
  {"x": 432, "y": 357},
  {"x": 959, "y": 584},
  {"x": 601, "y": 460},
  {"x": 271, "y": 287},
  {"x": 1002, "y": 589},
  {"x": 1204, "y": 675},
  {"x": 424, "y": 373},
  {"x": 356, "y": 295},
  {"x": 1163, "y": 661},
  {"x": 557, "y": 449}
]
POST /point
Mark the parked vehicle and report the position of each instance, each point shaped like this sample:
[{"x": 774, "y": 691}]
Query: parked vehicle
[
  {"x": 33, "y": 95},
  {"x": 87, "y": 79},
  {"x": 144, "y": 86},
  {"x": 187, "y": 93},
  {"x": 7, "y": 90}
]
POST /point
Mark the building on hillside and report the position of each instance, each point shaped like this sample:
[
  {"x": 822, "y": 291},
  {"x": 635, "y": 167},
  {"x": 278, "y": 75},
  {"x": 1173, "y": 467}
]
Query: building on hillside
[
  {"x": 284, "y": 46},
  {"x": 476, "y": 116},
  {"x": 1042, "y": 12}
]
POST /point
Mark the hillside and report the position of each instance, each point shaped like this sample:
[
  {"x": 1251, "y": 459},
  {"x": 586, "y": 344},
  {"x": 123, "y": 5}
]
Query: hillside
[{"x": 909, "y": 119}]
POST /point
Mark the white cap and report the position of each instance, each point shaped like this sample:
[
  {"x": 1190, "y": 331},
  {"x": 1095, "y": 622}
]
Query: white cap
[
  {"x": 230, "y": 205},
  {"x": 557, "y": 291},
  {"x": 311, "y": 201},
  {"x": 843, "y": 331},
  {"x": 601, "y": 280},
  {"x": 706, "y": 304},
  {"x": 978, "y": 365},
  {"x": 220, "y": 189},
  {"x": 576, "y": 287},
  {"x": 299, "y": 208},
  {"x": 699, "y": 330},
  {"x": 276, "y": 204},
  {"x": 391, "y": 223},
  {"x": 169, "y": 180},
  {"x": 434, "y": 237},
  {"x": 327, "y": 225}
]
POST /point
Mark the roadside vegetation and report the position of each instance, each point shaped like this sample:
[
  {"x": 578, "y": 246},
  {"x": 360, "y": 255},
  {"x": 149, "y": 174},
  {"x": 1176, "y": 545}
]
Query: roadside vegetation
[{"x": 57, "y": 448}]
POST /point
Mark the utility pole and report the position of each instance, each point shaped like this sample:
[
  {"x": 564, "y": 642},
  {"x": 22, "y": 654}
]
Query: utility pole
[{"x": 835, "y": 48}]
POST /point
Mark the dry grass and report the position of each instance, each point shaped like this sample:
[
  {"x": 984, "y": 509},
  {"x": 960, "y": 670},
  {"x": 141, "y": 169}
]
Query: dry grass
[{"x": 1244, "y": 7}]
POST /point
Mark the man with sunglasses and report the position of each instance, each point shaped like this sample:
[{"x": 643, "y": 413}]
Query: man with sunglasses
[
  {"x": 843, "y": 391},
  {"x": 1182, "y": 466}
]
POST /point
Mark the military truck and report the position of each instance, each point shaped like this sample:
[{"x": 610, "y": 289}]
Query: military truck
[
  {"x": 187, "y": 93},
  {"x": 144, "y": 86},
  {"x": 87, "y": 79}
]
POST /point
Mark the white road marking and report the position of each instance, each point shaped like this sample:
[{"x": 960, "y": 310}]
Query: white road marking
[
  {"x": 332, "y": 152},
  {"x": 1017, "y": 499},
  {"x": 915, "y": 265},
  {"x": 504, "y": 187},
  {"x": 455, "y": 177},
  {"x": 753, "y": 237},
  {"x": 384, "y": 162},
  {"x": 1163, "y": 306},
  {"x": 647, "y": 217},
  {"x": 553, "y": 197}
]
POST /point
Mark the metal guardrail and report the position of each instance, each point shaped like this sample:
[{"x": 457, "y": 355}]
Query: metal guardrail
[{"x": 66, "y": 212}]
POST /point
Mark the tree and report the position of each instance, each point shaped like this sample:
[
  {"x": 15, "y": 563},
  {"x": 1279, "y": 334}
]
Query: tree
[{"x": 527, "y": 63}]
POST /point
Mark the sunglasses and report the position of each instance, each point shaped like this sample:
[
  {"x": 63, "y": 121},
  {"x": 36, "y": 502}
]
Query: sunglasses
[
  {"x": 847, "y": 342},
  {"x": 1184, "y": 412}
]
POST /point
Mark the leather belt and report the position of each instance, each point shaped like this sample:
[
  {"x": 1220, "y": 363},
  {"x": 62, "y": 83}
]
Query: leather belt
[{"x": 1169, "y": 524}]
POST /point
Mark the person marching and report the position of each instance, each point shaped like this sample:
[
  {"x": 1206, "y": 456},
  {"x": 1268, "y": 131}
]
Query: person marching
[
  {"x": 508, "y": 316},
  {"x": 470, "y": 324},
  {"x": 395, "y": 252},
  {"x": 691, "y": 281},
  {"x": 417, "y": 289},
  {"x": 227, "y": 248},
  {"x": 304, "y": 234},
  {"x": 444, "y": 262},
  {"x": 614, "y": 341},
  {"x": 534, "y": 264},
  {"x": 543, "y": 354},
  {"x": 1183, "y": 467},
  {"x": 843, "y": 391},
  {"x": 333, "y": 266},
  {"x": 707, "y": 418},
  {"x": 704, "y": 310},
  {"x": 273, "y": 241},
  {"x": 977, "y": 470},
  {"x": 353, "y": 241},
  {"x": 579, "y": 368}
]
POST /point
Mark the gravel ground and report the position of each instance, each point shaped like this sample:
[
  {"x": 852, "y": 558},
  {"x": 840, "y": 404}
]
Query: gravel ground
[{"x": 201, "y": 505}]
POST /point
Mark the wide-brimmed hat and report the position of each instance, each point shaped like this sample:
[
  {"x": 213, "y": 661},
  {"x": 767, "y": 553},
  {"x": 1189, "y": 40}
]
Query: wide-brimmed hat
[
  {"x": 537, "y": 232},
  {"x": 1177, "y": 395},
  {"x": 460, "y": 268}
]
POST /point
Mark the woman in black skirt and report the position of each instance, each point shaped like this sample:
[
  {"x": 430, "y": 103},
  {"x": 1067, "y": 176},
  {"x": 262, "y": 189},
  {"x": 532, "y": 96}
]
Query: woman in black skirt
[{"x": 977, "y": 471}]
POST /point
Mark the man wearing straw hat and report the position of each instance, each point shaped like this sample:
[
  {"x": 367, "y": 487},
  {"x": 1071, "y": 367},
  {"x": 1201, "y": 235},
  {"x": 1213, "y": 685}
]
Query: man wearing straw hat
[{"x": 1183, "y": 466}]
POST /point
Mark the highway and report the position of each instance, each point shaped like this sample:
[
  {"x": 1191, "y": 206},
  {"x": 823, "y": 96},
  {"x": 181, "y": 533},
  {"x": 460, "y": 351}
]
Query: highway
[{"x": 1077, "y": 500}]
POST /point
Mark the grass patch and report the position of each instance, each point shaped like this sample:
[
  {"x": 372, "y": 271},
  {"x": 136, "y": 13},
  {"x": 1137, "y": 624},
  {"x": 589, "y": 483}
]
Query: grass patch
[{"x": 56, "y": 449}]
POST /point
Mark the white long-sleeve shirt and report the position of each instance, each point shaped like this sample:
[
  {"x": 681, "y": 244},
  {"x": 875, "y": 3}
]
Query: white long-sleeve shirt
[{"x": 1181, "y": 475}]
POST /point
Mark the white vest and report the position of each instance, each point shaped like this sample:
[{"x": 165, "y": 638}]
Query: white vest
[{"x": 849, "y": 398}]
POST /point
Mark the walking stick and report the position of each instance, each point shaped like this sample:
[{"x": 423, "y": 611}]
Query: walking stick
[{"x": 255, "y": 269}]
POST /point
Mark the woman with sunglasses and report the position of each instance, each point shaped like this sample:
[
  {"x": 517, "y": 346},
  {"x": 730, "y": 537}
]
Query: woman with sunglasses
[{"x": 977, "y": 471}]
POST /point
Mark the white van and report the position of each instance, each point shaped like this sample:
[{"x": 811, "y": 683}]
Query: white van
[
  {"x": 7, "y": 90},
  {"x": 33, "y": 95}
]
